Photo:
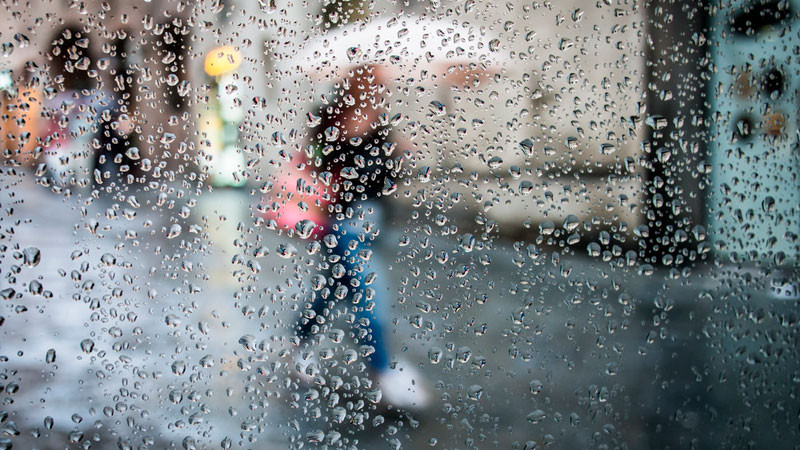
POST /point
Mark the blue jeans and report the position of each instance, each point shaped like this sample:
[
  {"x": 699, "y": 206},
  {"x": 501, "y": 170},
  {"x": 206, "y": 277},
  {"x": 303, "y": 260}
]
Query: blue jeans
[{"x": 359, "y": 278}]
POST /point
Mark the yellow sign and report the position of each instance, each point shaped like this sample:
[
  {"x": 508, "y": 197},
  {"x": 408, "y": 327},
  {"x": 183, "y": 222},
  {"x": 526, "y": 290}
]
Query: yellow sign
[{"x": 222, "y": 60}]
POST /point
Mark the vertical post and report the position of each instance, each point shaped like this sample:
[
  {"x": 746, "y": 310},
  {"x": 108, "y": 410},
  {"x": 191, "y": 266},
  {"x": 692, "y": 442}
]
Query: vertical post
[{"x": 674, "y": 148}]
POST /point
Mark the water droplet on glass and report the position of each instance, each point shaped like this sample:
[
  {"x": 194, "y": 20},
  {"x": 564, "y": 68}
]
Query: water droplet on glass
[
  {"x": 286, "y": 250},
  {"x": 526, "y": 145},
  {"x": 353, "y": 53},
  {"x": 768, "y": 204},
  {"x": 7, "y": 293},
  {"x": 475, "y": 392},
  {"x": 178, "y": 367},
  {"x": 248, "y": 341},
  {"x": 31, "y": 256},
  {"x": 536, "y": 416},
  {"x": 87, "y": 345},
  {"x": 132, "y": 153},
  {"x": 305, "y": 228},
  {"x": 467, "y": 242},
  {"x": 108, "y": 259},
  {"x": 174, "y": 231}
]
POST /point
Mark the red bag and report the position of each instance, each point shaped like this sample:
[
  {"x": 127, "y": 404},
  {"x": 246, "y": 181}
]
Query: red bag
[{"x": 297, "y": 198}]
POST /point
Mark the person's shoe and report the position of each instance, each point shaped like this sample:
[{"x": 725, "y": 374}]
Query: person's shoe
[{"x": 404, "y": 387}]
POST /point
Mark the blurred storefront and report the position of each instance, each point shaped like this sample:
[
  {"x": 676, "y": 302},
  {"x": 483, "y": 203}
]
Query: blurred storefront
[{"x": 754, "y": 202}]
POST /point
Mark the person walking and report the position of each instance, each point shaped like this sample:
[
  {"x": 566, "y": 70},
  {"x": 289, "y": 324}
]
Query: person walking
[{"x": 354, "y": 146}]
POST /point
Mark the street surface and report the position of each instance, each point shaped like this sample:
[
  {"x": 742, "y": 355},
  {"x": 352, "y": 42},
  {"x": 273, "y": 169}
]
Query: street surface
[{"x": 154, "y": 321}]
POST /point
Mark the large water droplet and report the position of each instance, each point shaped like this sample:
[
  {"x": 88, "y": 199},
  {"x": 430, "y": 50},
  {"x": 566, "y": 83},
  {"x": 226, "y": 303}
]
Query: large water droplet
[
  {"x": 31, "y": 256},
  {"x": 174, "y": 231},
  {"x": 248, "y": 341},
  {"x": 133, "y": 153},
  {"x": 331, "y": 134},
  {"x": 286, "y": 250},
  {"x": 108, "y": 259},
  {"x": 305, "y": 228},
  {"x": 178, "y": 367},
  {"x": 536, "y": 416},
  {"x": 87, "y": 345}
]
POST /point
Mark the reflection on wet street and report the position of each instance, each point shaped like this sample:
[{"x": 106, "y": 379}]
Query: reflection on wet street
[{"x": 172, "y": 314}]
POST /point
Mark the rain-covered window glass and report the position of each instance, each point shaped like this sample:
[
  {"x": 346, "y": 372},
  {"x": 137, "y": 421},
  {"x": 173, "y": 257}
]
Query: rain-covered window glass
[{"x": 399, "y": 224}]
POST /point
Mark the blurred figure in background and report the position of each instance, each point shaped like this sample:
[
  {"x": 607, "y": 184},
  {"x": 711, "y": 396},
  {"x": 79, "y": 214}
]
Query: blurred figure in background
[
  {"x": 116, "y": 162},
  {"x": 355, "y": 149},
  {"x": 72, "y": 109},
  {"x": 20, "y": 109}
]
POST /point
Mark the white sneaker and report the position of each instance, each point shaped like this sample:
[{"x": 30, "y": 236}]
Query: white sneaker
[{"x": 404, "y": 387}]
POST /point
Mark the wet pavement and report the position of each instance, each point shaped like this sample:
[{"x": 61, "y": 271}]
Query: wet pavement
[{"x": 169, "y": 313}]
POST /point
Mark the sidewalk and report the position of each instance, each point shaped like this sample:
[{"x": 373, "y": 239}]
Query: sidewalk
[{"x": 569, "y": 351}]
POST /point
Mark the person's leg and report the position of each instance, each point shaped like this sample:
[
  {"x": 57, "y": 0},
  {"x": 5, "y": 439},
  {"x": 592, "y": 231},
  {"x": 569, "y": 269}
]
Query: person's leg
[
  {"x": 401, "y": 385},
  {"x": 366, "y": 279},
  {"x": 308, "y": 327},
  {"x": 324, "y": 298},
  {"x": 308, "y": 321}
]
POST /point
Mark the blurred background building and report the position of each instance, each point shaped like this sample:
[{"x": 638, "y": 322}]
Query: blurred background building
[
  {"x": 578, "y": 100},
  {"x": 608, "y": 132}
]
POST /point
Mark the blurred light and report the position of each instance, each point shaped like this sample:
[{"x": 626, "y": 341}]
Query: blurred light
[
  {"x": 6, "y": 80},
  {"x": 222, "y": 60}
]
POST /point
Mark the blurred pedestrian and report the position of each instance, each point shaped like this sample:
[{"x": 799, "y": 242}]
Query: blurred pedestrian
[
  {"x": 72, "y": 109},
  {"x": 20, "y": 109},
  {"x": 355, "y": 149}
]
